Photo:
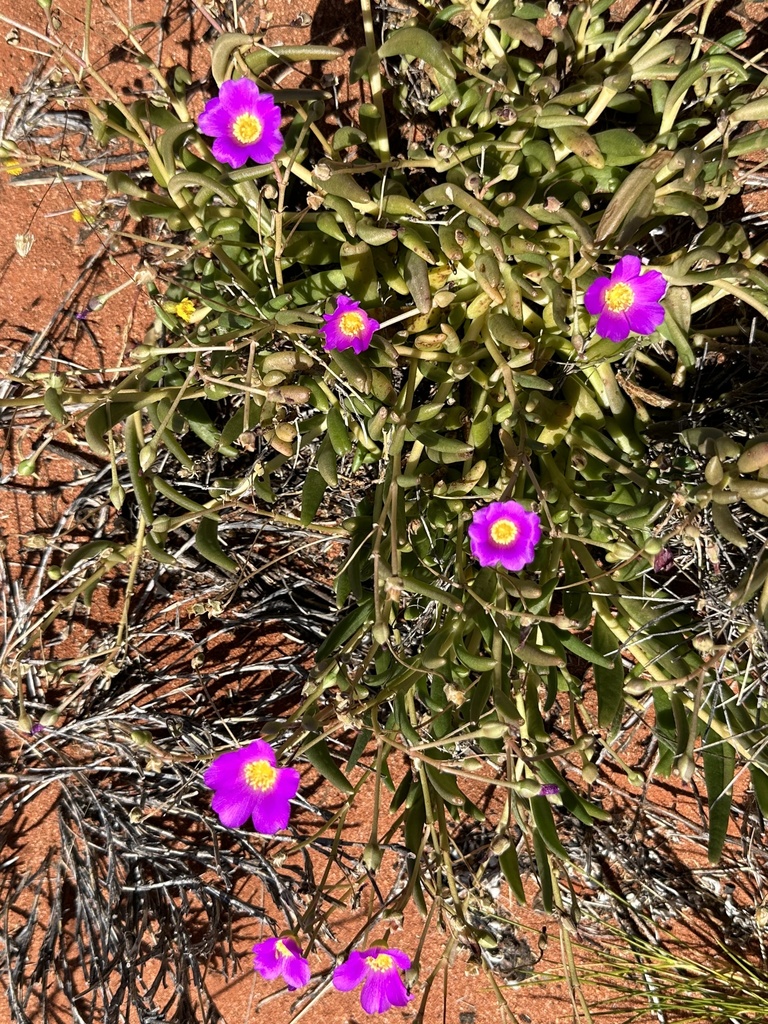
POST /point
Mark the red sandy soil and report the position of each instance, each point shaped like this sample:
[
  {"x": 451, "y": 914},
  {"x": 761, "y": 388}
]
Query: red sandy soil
[{"x": 36, "y": 294}]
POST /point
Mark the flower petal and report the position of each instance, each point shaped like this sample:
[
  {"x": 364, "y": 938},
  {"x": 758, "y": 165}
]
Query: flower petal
[
  {"x": 649, "y": 287},
  {"x": 259, "y": 750},
  {"x": 214, "y": 119},
  {"x": 644, "y": 318},
  {"x": 594, "y": 297},
  {"x": 225, "y": 768},
  {"x": 627, "y": 269},
  {"x": 239, "y": 96},
  {"x": 402, "y": 959},
  {"x": 266, "y": 960},
  {"x": 296, "y": 971},
  {"x": 286, "y": 784},
  {"x": 233, "y": 804},
  {"x": 613, "y": 326},
  {"x": 349, "y": 974},
  {"x": 227, "y": 151},
  {"x": 383, "y": 989},
  {"x": 269, "y": 814}
]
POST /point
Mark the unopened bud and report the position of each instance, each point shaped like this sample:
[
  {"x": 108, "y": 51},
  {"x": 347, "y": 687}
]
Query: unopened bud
[
  {"x": 590, "y": 773},
  {"x": 499, "y": 845},
  {"x": 372, "y": 856}
]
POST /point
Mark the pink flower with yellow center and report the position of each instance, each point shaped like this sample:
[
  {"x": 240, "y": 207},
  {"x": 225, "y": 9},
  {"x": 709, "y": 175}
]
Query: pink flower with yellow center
[
  {"x": 379, "y": 971},
  {"x": 281, "y": 958},
  {"x": 348, "y": 326},
  {"x": 244, "y": 123},
  {"x": 627, "y": 301},
  {"x": 503, "y": 533},
  {"x": 248, "y": 784}
]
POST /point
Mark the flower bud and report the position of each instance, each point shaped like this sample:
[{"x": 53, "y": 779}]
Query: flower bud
[{"x": 372, "y": 856}]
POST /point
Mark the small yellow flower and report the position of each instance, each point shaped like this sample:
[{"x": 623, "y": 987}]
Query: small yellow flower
[
  {"x": 185, "y": 310},
  {"x": 78, "y": 217},
  {"x": 12, "y": 167}
]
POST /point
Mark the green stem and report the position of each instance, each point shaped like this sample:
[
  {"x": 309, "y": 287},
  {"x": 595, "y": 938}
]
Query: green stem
[{"x": 381, "y": 142}]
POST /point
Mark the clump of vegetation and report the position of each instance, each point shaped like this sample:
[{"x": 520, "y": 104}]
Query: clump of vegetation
[{"x": 386, "y": 335}]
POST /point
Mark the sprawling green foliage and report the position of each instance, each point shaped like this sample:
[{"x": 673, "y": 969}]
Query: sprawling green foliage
[{"x": 538, "y": 159}]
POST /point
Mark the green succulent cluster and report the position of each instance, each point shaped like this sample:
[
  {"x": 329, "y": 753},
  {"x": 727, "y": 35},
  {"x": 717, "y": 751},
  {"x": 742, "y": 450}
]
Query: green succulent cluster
[{"x": 539, "y": 159}]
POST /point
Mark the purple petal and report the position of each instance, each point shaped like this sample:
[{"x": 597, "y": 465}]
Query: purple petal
[
  {"x": 227, "y": 151},
  {"x": 644, "y": 318},
  {"x": 239, "y": 96},
  {"x": 344, "y": 304},
  {"x": 613, "y": 326},
  {"x": 266, "y": 149},
  {"x": 233, "y": 805},
  {"x": 402, "y": 959},
  {"x": 383, "y": 989},
  {"x": 225, "y": 768},
  {"x": 626, "y": 269},
  {"x": 649, "y": 287},
  {"x": 286, "y": 783},
  {"x": 260, "y": 750},
  {"x": 594, "y": 297},
  {"x": 349, "y": 974},
  {"x": 296, "y": 971},
  {"x": 269, "y": 815},
  {"x": 214, "y": 119},
  {"x": 266, "y": 959}
]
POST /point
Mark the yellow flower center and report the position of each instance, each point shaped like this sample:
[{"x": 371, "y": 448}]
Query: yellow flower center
[
  {"x": 352, "y": 324},
  {"x": 619, "y": 297},
  {"x": 503, "y": 531},
  {"x": 281, "y": 949},
  {"x": 382, "y": 962},
  {"x": 260, "y": 775},
  {"x": 247, "y": 129}
]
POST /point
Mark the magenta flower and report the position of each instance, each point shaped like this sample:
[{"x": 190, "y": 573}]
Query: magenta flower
[
  {"x": 503, "y": 533},
  {"x": 244, "y": 123},
  {"x": 281, "y": 958},
  {"x": 627, "y": 301},
  {"x": 549, "y": 789},
  {"x": 248, "y": 783},
  {"x": 348, "y": 326},
  {"x": 379, "y": 970}
]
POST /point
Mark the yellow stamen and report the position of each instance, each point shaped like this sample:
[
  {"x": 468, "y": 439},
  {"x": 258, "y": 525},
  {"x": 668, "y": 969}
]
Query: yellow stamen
[
  {"x": 382, "y": 962},
  {"x": 619, "y": 297},
  {"x": 503, "y": 531},
  {"x": 261, "y": 776},
  {"x": 247, "y": 129},
  {"x": 352, "y": 324},
  {"x": 12, "y": 167},
  {"x": 185, "y": 309},
  {"x": 281, "y": 949}
]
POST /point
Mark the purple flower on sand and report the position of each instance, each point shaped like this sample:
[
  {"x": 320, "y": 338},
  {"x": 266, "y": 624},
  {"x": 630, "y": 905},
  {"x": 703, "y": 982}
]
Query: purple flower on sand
[
  {"x": 248, "y": 783},
  {"x": 244, "y": 123},
  {"x": 275, "y": 958},
  {"x": 503, "y": 533},
  {"x": 627, "y": 301},
  {"x": 348, "y": 326},
  {"x": 379, "y": 970}
]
